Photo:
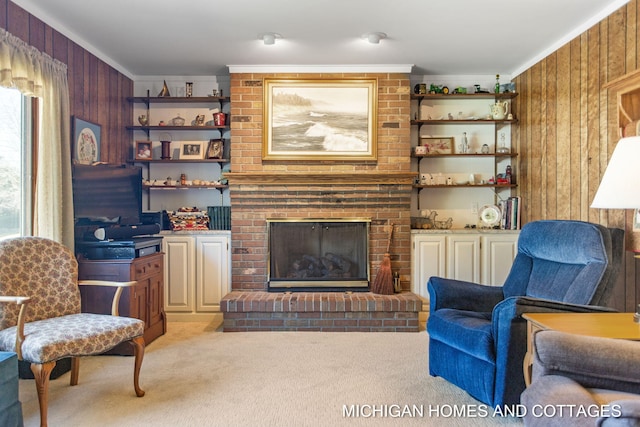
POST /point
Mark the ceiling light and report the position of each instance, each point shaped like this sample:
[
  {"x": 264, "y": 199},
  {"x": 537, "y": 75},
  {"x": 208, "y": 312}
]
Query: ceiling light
[
  {"x": 374, "y": 38},
  {"x": 269, "y": 38}
]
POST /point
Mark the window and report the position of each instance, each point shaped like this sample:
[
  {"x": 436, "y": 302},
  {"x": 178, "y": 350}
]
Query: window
[{"x": 15, "y": 164}]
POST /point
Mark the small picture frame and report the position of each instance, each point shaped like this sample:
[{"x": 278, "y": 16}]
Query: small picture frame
[
  {"x": 215, "y": 149},
  {"x": 437, "y": 145},
  {"x": 192, "y": 150},
  {"x": 143, "y": 150}
]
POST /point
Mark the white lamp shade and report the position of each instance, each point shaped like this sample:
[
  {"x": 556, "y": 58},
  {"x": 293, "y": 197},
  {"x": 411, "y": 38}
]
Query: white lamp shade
[{"x": 619, "y": 188}]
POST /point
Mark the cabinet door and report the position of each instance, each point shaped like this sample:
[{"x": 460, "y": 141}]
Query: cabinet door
[
  {"x": 428, "y": 259},
  {"x": 139, "y": 303},
  {"x": 463, "y": 257},
  {"x": 498, "y": 253},
  {"x": 179, "y": 273},
  {"x": 156, "y": 305},
  {"x": 212, "y": 272}
]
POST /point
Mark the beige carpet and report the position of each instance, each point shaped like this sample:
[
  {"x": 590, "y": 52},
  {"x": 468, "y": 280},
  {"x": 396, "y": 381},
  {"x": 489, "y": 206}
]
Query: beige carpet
[{"x": 196, "y": 375}]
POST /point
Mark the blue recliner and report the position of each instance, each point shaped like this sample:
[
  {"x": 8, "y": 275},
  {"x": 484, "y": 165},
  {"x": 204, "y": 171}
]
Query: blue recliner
[{"x": 477, "y": 337}]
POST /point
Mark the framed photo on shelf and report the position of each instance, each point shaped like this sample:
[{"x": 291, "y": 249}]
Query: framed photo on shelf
[
  {"x": 215, "y": 149},
  {"x": 143, "y": 150},
  {"x": 192, "y": 150},
  {"x": 437, "y": 145},
  {"x": 86, "y": 141},
  {"x": 320, "y": 119}
]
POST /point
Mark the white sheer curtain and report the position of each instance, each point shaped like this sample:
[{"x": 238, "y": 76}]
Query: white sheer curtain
[{"x": 37, "y": 74}]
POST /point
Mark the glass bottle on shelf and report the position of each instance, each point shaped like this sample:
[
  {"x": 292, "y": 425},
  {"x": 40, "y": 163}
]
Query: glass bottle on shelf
[
  {"x": 497, "y": 88},
  {"x": 503, "y": 146}
]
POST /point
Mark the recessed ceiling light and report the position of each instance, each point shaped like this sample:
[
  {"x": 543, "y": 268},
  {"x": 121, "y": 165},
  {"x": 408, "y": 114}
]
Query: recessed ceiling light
[
  {"x": 374, "y": 38},
  {"x": 269, "y": 38}
]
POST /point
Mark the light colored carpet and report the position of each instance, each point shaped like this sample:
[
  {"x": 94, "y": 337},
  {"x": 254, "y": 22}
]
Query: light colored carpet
[{"x": 196, "y": 375}]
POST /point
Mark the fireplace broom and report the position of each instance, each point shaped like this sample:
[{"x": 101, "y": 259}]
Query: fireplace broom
[{"x": 383, "y": 284}]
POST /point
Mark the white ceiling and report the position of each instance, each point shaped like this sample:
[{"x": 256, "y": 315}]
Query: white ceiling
[{"x": 204, "y": 37}]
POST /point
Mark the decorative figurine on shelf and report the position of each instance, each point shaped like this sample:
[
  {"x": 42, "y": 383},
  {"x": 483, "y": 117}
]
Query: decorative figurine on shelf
[
  {"x": 464, "y": 145},
  {"x": 165, "y": 90},
  {"x": 199, "y": 121},
  {"x": 143, "y": 120}
]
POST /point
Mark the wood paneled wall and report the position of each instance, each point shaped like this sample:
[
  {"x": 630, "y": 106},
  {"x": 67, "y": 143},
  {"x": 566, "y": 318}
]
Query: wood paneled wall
[
  {"x": 97, "y": 91},
  {"x": 567, "y": 128}
]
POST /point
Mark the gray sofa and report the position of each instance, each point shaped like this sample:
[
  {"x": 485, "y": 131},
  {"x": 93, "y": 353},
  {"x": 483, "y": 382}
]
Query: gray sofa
[
  {"x": 10, "y": 407},
  {"x": 581, "y": 381}
]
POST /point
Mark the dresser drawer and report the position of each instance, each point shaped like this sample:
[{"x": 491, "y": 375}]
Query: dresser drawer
[{"x": 147, "y": 266}]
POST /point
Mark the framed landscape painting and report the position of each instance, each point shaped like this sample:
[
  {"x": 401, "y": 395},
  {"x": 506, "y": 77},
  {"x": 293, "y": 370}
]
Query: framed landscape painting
[{"x": 320, "y": 119}]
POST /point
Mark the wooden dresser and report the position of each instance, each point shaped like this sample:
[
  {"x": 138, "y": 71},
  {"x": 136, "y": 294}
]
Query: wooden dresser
[{"x": 143, "y": 301}]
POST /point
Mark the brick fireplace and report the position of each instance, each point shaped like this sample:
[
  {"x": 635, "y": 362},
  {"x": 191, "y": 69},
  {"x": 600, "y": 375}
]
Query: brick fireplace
[{"x": 377, "y": 190}]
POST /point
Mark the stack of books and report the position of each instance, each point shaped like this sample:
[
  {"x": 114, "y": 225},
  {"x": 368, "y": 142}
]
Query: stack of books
[
  {"x": 510, "y": 213},
  {"x": 219, "y": 217}
]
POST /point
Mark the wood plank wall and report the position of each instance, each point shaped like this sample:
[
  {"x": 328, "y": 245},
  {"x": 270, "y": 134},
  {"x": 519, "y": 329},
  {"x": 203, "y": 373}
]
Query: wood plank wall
[
  {"x": 567, "y": 129},
  {"x": 97, "y": 91}
]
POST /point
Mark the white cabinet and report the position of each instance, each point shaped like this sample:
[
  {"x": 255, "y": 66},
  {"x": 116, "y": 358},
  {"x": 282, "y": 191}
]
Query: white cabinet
[
  {"x": 196, "y": 275},
  {"x": 498, "y": 253},
  {"x": 463, "y": 257},
  {"x": 471, "y": 256}
]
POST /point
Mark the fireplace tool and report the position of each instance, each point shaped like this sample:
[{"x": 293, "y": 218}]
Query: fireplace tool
[{"x": 383, "y": 284}]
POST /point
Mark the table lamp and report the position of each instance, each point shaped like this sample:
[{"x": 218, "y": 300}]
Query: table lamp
[{"x": 619, "y": 186}]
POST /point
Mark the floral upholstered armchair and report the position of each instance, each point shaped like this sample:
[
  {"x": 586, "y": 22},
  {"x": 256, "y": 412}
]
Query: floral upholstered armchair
[{"x": 40, "y": 316}]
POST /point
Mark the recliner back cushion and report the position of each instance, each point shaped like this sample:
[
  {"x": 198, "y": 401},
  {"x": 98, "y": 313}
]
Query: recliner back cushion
[
  {"x": 42, "y": 269},
  {"x": 560, "y": 260}
]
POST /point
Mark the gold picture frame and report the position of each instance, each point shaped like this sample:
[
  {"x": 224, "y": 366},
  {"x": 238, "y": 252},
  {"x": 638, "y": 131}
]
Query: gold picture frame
[
  {"x": 143, "y": 150},
  {"x": 437, "y": 144},
  {"x": 320, "y": 119}
]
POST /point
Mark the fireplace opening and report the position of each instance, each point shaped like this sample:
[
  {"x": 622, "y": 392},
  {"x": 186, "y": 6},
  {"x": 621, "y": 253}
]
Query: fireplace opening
[{"x": 318, "y": 254}]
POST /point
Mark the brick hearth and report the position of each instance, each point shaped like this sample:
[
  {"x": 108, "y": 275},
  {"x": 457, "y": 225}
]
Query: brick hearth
[{"x": 320, "y": 311}]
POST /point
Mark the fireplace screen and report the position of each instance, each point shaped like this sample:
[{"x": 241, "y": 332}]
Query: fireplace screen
[{"x": 312, "y": 254}]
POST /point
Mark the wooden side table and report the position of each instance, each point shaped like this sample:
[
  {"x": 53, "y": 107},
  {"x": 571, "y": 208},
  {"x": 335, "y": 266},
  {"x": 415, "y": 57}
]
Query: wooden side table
[{"x": 604, "y": 325}]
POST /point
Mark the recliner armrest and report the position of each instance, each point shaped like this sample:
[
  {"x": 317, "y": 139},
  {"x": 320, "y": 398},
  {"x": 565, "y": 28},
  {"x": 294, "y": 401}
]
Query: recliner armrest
[
  {"x": 539, "y": 305},
  {"x": 461, "y": 295},
  {"x": 594, "y": 362},
  {"x": 510, "y": 310}
]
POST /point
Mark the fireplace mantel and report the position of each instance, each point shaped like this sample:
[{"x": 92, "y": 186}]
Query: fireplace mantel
[{"x": 311, "y": 178}]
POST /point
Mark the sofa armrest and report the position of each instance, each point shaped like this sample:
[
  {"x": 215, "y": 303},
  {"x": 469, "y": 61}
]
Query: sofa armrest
[
  {"x": 629, "y": 414},
  {"x": 461, "y": 295},
  {"x": 594, "y": 362},
  {"x": 116, "y": 297}
]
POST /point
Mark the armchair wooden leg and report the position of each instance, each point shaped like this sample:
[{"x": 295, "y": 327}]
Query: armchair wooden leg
[
  {"x": 75, "y": 370},
  {"x": 138, "y": 352},
  {"x": 41, "y": 374}
]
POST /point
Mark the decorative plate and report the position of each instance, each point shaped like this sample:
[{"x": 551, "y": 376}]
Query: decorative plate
[
  {"x": 490, "y": 215},
  {"x": 87, "y": 147}
]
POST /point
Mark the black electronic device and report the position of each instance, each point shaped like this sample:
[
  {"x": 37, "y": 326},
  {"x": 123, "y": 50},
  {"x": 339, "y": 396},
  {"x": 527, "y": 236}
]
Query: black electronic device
[
  {"x": 107, "y": 194},
  {"x": 135, "y": 247},
  {"x": 123, "y": 232}
]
